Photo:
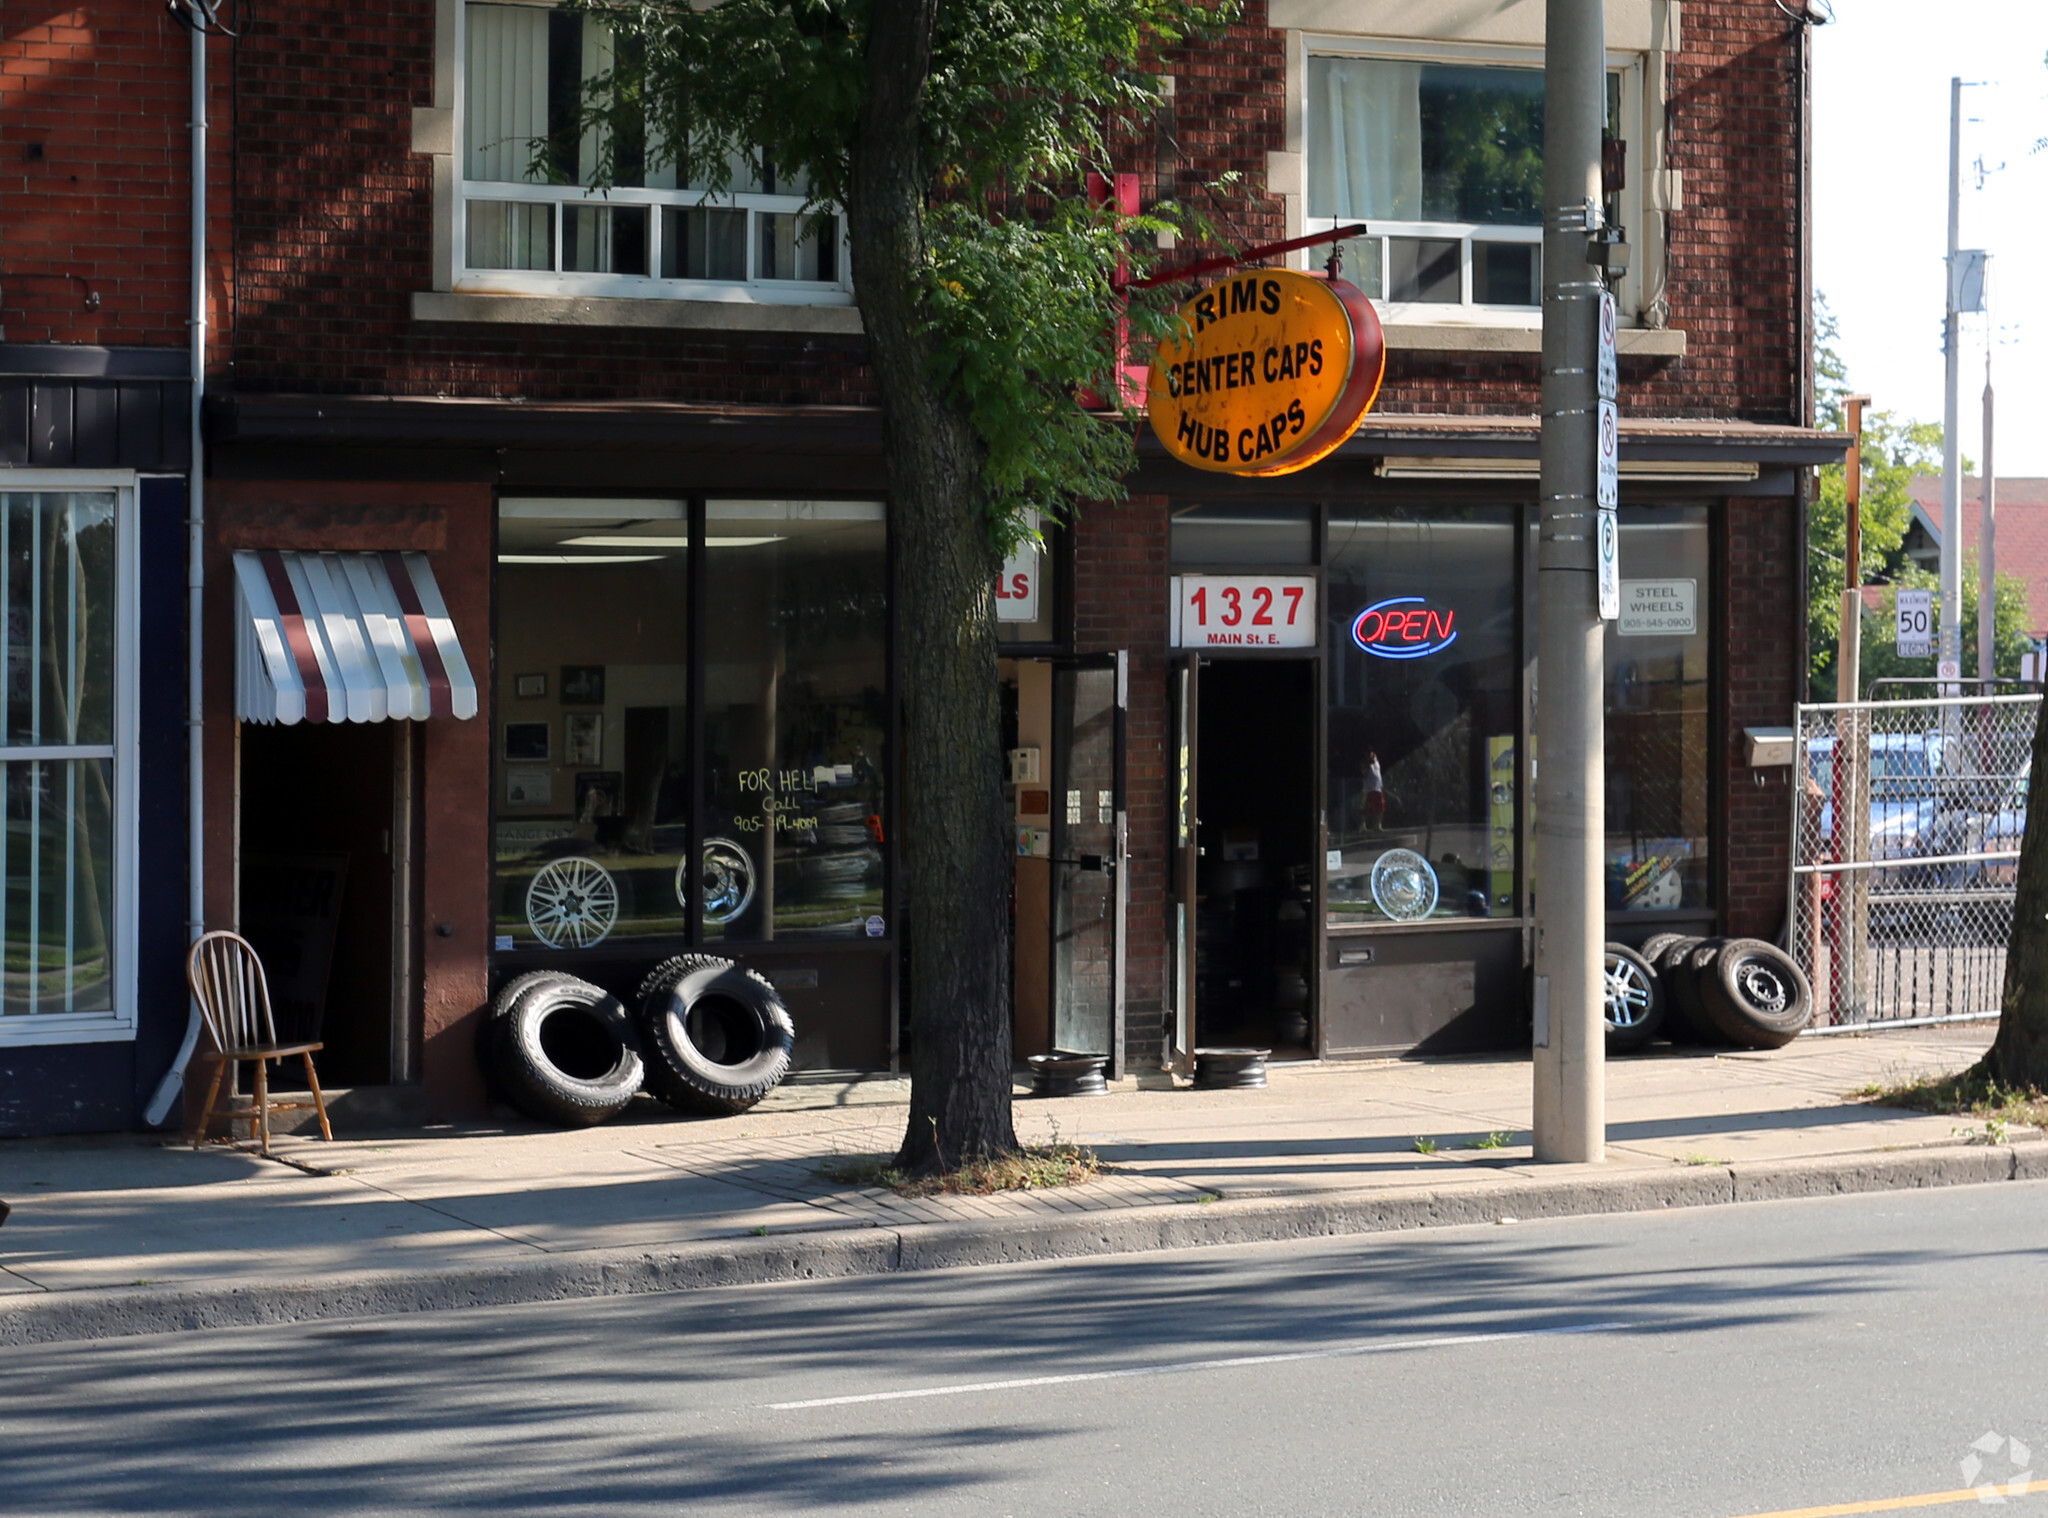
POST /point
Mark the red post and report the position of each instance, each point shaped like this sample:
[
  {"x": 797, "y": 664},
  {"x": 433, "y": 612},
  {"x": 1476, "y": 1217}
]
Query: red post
[{"x": 1124, "y": 196}]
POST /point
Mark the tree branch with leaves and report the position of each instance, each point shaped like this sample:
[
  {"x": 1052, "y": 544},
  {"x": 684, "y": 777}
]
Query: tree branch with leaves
[{"x": 955, "y": 138}]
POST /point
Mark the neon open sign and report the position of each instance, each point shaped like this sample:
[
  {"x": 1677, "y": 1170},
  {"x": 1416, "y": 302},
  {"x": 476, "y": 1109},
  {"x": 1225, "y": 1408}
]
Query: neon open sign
[{"x": 1404, "y": 627}]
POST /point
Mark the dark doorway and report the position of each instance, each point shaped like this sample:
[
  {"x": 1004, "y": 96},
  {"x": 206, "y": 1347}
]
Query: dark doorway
[
  {"x": 325, "y": 888},
  {"x": 1255, "y": 881}
]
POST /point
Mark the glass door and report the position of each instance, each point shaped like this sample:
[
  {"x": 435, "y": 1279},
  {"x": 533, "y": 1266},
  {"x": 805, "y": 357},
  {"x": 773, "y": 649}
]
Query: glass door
[
  {"x": 1186, "y": 853},
  {"x": 1090, "y": 848}
]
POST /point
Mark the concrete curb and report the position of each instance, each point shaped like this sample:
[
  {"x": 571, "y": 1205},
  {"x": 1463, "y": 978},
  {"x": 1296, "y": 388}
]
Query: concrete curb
[{"x": 1510, "y": 1192}]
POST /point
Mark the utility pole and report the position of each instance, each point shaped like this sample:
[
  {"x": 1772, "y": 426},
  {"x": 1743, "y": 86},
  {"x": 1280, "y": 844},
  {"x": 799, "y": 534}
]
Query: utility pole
[
  {"x": 1948, "y": 651},
  {"x": 1987, "y": 544},
  {"x": 1570, "y": 787},
  {"x": 1849, "y": 645},
  {"x": 1849, "y": 966}
]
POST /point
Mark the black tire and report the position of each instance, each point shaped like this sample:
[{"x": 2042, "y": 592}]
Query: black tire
[
  {"x": 1755, "y": 995},
  {"x": 1685, "y": 1018},
  {"x": 718, "y": 1037},
  {"x": 562, "y": 1050},
  {"x": 1653, "y": 947},
  {"x": 1633, "y": 1000},
  {"x": 490, "y": 1032}
]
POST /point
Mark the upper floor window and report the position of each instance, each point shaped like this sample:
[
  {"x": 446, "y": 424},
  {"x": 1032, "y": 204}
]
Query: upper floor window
[
  {"x": 1444, "y": 162},
  {"x": 531, "y": 223}
]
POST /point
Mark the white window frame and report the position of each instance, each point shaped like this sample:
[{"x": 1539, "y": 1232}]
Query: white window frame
[
  {"x": 1419, "y": 313},
  {"x": 117, "y": 1026},
  {"x": 753, "y": 290}
]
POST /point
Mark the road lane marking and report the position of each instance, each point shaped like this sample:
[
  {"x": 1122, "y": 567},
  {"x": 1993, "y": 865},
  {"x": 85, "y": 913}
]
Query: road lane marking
[
  {"x": 1897, "y": 1504},
  {"x": 1182, "y": 1367}
]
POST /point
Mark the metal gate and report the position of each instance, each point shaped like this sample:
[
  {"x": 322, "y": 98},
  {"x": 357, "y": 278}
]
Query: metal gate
[{"x": 1905, "y": 844}]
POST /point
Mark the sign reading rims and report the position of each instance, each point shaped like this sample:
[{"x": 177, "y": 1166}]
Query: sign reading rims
[{"x": 1269, "y": 371}]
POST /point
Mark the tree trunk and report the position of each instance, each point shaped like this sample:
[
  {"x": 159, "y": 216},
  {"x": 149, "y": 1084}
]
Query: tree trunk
[
  {"x": 2019, "y": 1055},
  {"x": 952, "y": 829}
]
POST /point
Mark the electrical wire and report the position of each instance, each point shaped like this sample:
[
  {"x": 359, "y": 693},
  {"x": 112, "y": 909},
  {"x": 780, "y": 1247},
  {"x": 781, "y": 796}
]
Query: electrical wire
[
  {"x": 214, "y": 18},
  {"x": 1810, "y": 12}
]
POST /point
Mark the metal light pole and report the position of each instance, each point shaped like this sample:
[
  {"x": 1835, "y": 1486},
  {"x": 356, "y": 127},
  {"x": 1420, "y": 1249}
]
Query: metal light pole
[
  {"x": 1570, "y": 1036},
  {"x": 1948, "y": 652},
  {"x": 1987, "y": 543}
]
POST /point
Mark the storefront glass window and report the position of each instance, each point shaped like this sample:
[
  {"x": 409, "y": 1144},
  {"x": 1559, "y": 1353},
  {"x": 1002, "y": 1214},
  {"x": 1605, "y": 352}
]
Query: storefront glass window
[
  {"x": 592, "y": 706},
  {"x": 795, "y": 721},
  {"x": 1657, "y": 736},
  {"x": 1423, "y": 615},
  {"x": 1240, "y": 533},
  {"x": 58, "y": 609}
]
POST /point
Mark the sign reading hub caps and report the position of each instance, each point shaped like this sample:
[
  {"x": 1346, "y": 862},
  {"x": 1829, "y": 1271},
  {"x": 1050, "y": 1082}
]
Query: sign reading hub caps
[{"x": 1270, "y": 370}]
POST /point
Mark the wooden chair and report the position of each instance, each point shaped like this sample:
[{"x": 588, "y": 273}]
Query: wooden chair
[{"x": 227, "y": 982}]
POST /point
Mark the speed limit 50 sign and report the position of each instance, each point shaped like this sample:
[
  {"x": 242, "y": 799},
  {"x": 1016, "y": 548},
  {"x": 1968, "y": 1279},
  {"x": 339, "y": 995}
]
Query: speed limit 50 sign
[{"x": 1914, "y": 624}]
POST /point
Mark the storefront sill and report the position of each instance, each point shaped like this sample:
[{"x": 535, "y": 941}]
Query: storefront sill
[
  {"x": 1445, "y": 337},
  {"x": 1440, "y": 925},
  {"x": 671, "y": 315}
]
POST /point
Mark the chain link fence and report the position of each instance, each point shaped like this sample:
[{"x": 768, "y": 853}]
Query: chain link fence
[{"x": 1905, "y": 845}]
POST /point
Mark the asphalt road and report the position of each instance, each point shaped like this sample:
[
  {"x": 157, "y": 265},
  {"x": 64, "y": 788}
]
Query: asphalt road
[{"x": 1719, "y": 1362}]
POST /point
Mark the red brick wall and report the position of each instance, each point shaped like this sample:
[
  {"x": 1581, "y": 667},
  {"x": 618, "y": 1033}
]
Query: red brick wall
[
  {"x": 335, "y": 231},
  {"x": 454, "y": 522},
  {"x": 1732, "y": 282},
  {"x": 95, "y": 180},
  {"x": 1120, "y": 602},
  {"x": 1761, "y": 579}
]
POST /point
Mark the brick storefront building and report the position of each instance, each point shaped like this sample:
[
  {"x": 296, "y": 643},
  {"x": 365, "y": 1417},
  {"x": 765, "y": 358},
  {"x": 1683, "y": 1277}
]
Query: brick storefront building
[
  {"x": 630, "y": 442},
  {"x": 95, "y": 448}
]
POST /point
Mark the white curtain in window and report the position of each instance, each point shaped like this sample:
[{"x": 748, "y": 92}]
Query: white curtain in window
[
  {"x": 1365, "y": 147},
  {"x": 597, "y": 61},
  {"x": 506, "y": 87}
]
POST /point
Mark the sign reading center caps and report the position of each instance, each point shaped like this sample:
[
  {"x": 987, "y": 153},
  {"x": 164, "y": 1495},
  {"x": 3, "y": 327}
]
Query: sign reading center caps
[{"x": 1270, "y": 370}]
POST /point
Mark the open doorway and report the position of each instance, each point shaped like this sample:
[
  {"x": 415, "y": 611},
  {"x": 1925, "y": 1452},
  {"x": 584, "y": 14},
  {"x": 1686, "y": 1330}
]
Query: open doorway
[
  {"x": 326, "y": 886},
  {"x": 1255, "y": 875}
]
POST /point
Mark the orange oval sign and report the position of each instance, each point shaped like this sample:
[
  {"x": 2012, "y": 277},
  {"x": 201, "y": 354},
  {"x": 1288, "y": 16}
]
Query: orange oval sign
[{"x": 1271, "y": 370}]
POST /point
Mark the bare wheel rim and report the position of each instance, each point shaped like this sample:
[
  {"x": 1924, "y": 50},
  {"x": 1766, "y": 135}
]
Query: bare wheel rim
[
  {"x": 1627, "y": 991},
  {"x": 728, "y": 880},
  {"x": 572, "y": 903},
  {"x": 1762, "y": 987}
]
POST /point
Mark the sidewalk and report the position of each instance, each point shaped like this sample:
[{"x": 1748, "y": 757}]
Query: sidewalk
[{"x": 132, "y": 1234}]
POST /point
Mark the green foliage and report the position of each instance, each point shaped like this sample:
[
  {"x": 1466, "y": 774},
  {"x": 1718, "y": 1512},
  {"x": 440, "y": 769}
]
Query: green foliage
[
  {"x": 1894, "y": 451},
  {"x": 1023, "y": 99},
  {"x": 2010, "y": 636}
]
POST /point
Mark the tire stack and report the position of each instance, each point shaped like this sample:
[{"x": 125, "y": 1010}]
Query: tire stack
[
  {"x": 718, "y": 1038},
  {"x": 1731, "y": 991},
  {"x": 706, "y": 1037}
]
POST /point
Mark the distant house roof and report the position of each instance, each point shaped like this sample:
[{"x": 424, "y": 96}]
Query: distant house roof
[{"x": 2022, "y": 543}]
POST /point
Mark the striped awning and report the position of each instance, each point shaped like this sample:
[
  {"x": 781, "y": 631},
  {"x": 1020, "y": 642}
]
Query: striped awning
[{"x": 345, "y": 637}]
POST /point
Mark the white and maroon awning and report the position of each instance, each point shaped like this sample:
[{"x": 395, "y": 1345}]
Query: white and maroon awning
[{"x": 345, "y": 637}]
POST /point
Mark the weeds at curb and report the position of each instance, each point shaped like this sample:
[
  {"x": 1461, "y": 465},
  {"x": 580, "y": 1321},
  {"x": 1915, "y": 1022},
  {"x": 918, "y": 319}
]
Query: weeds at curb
[
  {"x": 1035, "y": 1167},
  {"x": 1425, "y": 1146},
  {"x": 1965, "y": 1094}
]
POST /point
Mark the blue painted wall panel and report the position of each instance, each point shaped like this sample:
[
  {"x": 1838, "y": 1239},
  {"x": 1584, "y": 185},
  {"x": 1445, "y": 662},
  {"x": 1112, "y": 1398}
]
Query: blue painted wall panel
[{"x": 88, "y": 1088}]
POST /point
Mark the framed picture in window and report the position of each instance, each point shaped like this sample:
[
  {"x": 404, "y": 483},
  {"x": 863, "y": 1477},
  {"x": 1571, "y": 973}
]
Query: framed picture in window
[
  {"x": 529, "y": 787},
  {"x": 526, "y": 742},
  {"x": 530, "y": 687},
  {"x": 583, "y": 685},
  {"x": 583, "y": 739}
]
